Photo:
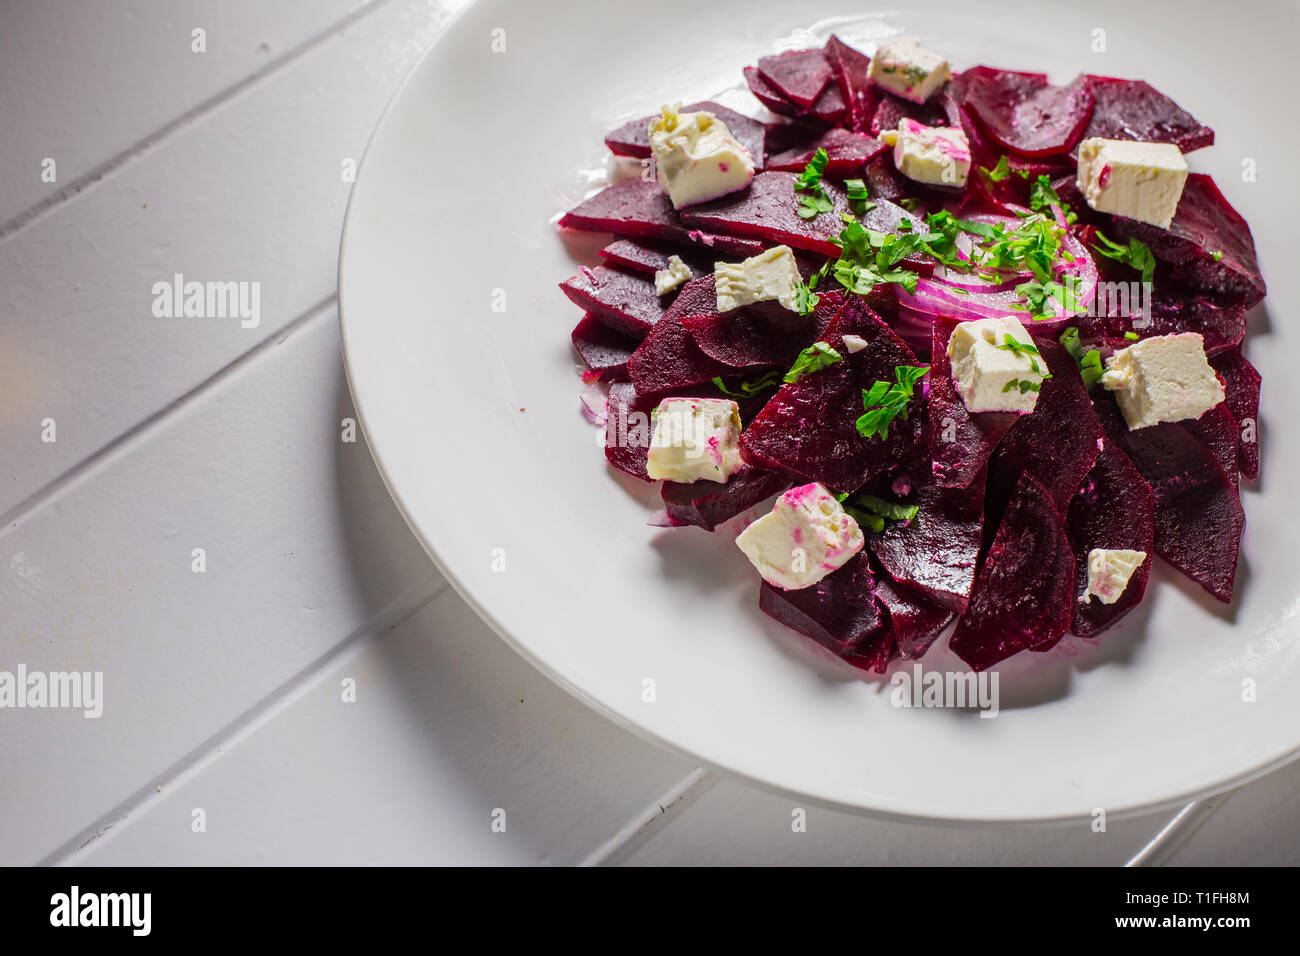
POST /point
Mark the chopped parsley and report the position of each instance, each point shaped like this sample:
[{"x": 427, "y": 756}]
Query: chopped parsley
[
  {"x": 749, "y": 389},
  {"x": 1016, "y": 347},
  {"x": 811, "y": 177},
  {"x": 810, "y": 182},
  {"x": 815, "y": 204},
  {"x": 805, "y": 300},
  {"x": 885, "y": 401},
  {"x": 868, "y": 257},
  {"x": 1131, "y": 336},
  {"x": 1025, "y": 385},
  {"x": 814, "y": 358},
  {"x": 1000, "y": 171},
  {"x": 872, "y": 512},
  {"x": 1042, "y": 196},
  {"x": 859, "y": 195},
  {"x": 1089, "y": 360},
  {"x": 1217, "y": 254},
  {"x": 1136, "y": 254}
]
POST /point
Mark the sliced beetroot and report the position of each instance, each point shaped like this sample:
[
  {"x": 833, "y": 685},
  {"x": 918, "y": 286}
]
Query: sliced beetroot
[
  {"x": 706, "y": 504},
  {"x": 1173, "y": 310},
  {"x": 669, "y": 358},
  {"x": 808, "y": 430},
  {"x": 766, "y": 334},
  {"x": 890, "y": 109},
  {"x": 1207, "y": 247},
  {"x": 915, "y": 622},
  {"x": 624, "y": 301},
  {"x": 1198, "y": 516},
  {"x": 767, "y": 210},
  {"x": 1024, "y": 113},
  {"x": 850, "y": 70},
  {"x": 839, "y": 612},
  {"x": 768, "y": 94},
  {"x": 935, "y": 553},
  {"x": 628, "y": 430},
  {"x": 1024, "y": 592},
  {"x": 884, "y": 181},
  {"x": 798, "y": 75},
  {"x": 1057, "y": 443},
  {"x": 635, "y": 207},
  {"x": 1134, "y": 109},
  {"x": 961, "y": 441},
  {"x": 648, "y": 257},
  {"x": 633, "y": 139},
  {"x": 603, "y": 350},
  {"x": 845, "y": 152},
  {"x": 1217, "y": 431},
  {"x": 1113, "y": 509},
  {"x": 1241, "y": 383}
]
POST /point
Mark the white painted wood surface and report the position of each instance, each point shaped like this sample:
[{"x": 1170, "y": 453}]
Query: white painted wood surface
[{"x": 226, "y": 688}]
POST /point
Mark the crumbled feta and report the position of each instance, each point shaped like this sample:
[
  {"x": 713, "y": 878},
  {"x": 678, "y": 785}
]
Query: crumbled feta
[
  {"x": 854, "y": 343},
  {"x": 936, "y": 155},
  {"x": 1108, "y": 573},
  {"x": 906, "y": 70},
  {"x": 668, "y": 279},
  {"x": 1165, "y": 378},
  {"x": 695, "y": 439},
  {"x": 1141, "y": 181},
  {"x": 773, "y": 274},
  {"x": 805, "y": 537},
  {"x": 696, "y": 157},
  {"x": 991, "y": 374}
]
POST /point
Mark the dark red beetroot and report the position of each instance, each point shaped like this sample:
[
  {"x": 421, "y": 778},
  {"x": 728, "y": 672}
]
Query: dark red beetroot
[
  {"x": 845, "y": 152},
  {"x": 1198, "y": 515},
  {"x": 1057, "y": 443},
  {"x": 1241, "y": 382},
  {"x": 849, "y": 68},
  {"x": 633, "y": 139},
  {"x": 961, "y": 441},
  {"x": 628, "y": 430},
  {"x": 1134, "y": 109},
  {"x": 767, "y": 210},
  {"x": 1205, "y": 225},
  {"x": 935, "y": 554},
  {"x": 648, "y": 257},
  {"x": 624, "y": 301},
  {"x": 1024, "y": 593},
  {"x": 1113, "y": 509},
  {"x": 669, "y": 358},
  {"x": 890, "y": 109},
  {"x": 769, "y": 95},
  {"x": 884, "y": 181},
  {"x": 839, "y": 612},
  {"x": 1024, "y": 113},
  {"x": 706, "y": 504},
  {"x": 916, "y": 623},
  {"x": 766, "y": 334},
  {"x": 798, "y": 75},
  {"x": 1173, "y": 310},
  {"x": 808, "y": 429},
  {"x": 603, "y": 350},
  {"x": 1217, "y": 431},
  {"x": 634, "y": 207}
]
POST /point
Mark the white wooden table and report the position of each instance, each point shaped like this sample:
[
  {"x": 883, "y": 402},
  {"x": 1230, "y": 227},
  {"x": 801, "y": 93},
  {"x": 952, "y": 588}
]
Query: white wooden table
[{"x": 129, "y": 157}]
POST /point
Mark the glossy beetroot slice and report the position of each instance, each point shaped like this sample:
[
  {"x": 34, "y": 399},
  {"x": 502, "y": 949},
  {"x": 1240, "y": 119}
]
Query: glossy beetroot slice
[
  {"x": 647, "y": 257},
  {"x": 961, "y": 441},
  {"x": 1024, "y": 591},
  {"x": 915, "y": 622},
  {"x": 769, "y": 95},
  {"x": 890, "y": 109},
  {"x": 798, "y": 75},
  {"x": 1241, "y": 383},
  {"x": 604, "y": 351},
  {"x": 1217, "y": 431},
  {"x": 628, "y": 430},
  {"x": 808, "y": 430},
  {"x": 1113, "y": 509},
  {"x": 850, "y": 70},
  {"x": 634, "y": 207},
  {"x": 624, "y": 301},
  {"x": 1024, "y": 113},
  {"x": 633, "y": 138},
  {"x": 1134, "y": 109},
  {"x": 707, "y": 504},
  {"x": 839, "y": 612},
  {"x": 669, "y": 358},
  {"x": 765, "y": 334},
  {"x": 1172, "y": 310},
  {"x": 845, "y": 152}
]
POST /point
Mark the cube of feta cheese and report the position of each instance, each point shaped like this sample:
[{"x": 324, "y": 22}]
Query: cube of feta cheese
[
  {"x": 995, "y": 365},
  {"x": 805, "y": 537},
  {"x": 1108, "y": 573},
  {"x": 1165, "y": 378},
  {"x": 935, "y": 155},
  {"x": 696, "y": 157},
  {"x": 1141, "y": 181},
  {"x": 906, "y": 70},
  {"x": 668, "y": 279},
  {"x": 695, "y": 439},
  {"x": 770, "y": 275},
  {"x": 854, "y": 343}
]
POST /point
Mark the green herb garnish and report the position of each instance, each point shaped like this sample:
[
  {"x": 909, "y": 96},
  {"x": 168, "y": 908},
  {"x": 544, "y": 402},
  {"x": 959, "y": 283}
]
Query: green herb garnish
[
  {"x": 1131, "y": 336},
  {"x": 1089, "y": 360},
  {"x": 1025, "y": 385},
  {"x": 811, "y": 176},
  {"x": 872, "y": 512},
  {"x": 859, "y": 195},
  {"x": 809, "y": 181},
  {"x": 815, "y": 204},
  {"x": 1042, "y": 196},
  {"x": 805, "y": 300},
  {"x": 1136, "y": 254},
  {"x": 1000, "y": 171},
  {"x": 814, "y": 358},
  {"x": 885, "y": 401},
  {"x": 748, "y": 389},
  {"x": 1016, "y": 347}
]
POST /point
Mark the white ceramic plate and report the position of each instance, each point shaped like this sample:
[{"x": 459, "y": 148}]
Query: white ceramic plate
[{"x": 472, "y": 415}]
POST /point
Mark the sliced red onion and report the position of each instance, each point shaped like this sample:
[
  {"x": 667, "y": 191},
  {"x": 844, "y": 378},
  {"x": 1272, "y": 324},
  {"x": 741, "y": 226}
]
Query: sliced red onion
[{"x": 592, "y": 402}]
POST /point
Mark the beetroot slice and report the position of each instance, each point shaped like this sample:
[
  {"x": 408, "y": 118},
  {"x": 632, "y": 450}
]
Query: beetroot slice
[
  {"x": 1217, "y": 431},
  {"x": 1024, "y": 592},
  {"x": 648, "y": 257},
  {"x": 850, "y": 69},
  {"x": 798, "y": 75},
  {"x": 961, "y": 441},
  {"x": 1134, "y": 109},
  {"x": 1057, "y": 443},
  {"x": 766, "y": 334},
  {"x": 634, "y": 207},
  {"x": 845, "y": 152},
  {"x": 768, "y": 94},
  {"x": 1241, "y": 383},
  {"x": 628, "y": 430},
  {"x": 1024, "y": 113},
  {"x": 808, "y": 430},
  {"x": 633, "y": 138},
  {"x": 1205, "y": 225},
  {"x": 1113, "y": 509},
  {"x": 839, "y": 612},
  {"x": 706, "y": 504},
  {"x": 935, "y": 554},
  {"x": 624, "y": 301},
  {"x": 890, "y": 109},
  {"x": 669, "y": 358},
  {"x": 603, "y": 350},
  {"x": 767, "y": 210},
  {"x": 1173, "y": 310},
  {"x": 915, "y": 622},
  {"x": 1198, "y": 515},
  {"x": 884, "y": 181}
]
